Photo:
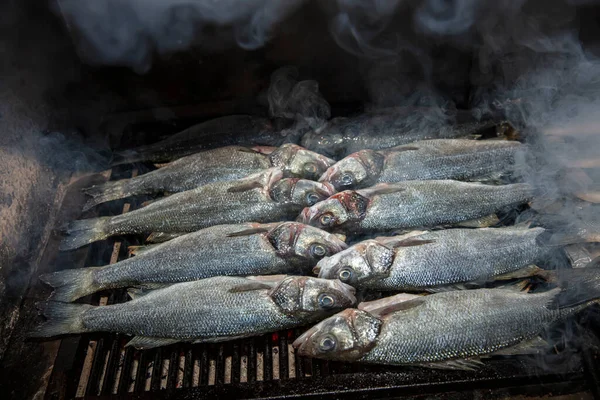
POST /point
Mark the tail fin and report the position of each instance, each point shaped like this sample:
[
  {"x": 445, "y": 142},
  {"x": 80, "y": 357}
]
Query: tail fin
[
  {"x": 63, "y": 318},
  {"x": 106, "y": 192},
  {"x": 71, "y": 284},
  {"x": 84, "y": 232},
  {"x": 579, "y": 286}
]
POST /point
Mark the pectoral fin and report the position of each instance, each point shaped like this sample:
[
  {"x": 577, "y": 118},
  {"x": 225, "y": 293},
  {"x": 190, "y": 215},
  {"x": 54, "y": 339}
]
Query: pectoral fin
[
  {"x": 388, "y": 305},
  {"x": 250, "y": 286}
]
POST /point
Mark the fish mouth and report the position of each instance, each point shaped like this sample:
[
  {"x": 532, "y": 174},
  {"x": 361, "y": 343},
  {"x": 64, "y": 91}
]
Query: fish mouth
[{"x": 300, "y": 344}]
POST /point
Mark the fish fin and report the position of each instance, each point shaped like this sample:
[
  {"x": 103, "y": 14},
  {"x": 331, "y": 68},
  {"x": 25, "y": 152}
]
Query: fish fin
[
  {"x": 258, "y": 180},
  {"x": 248, "y": 232},
  {"x": 267, "y": 279},
  {"x": 532, "y": 346},
  {"x": 149, "y": 342},
  {"x": 410, "y": 242},
  {"x": 525, "y": 272},
  {"x": 105, "y": 192},
  {"x": 483, "y": 222},
  {"x": 400, "y": 302},
  {"x": 578, "y": 286},
  {"x": 457, "y": 365},
  {"x": 223, "y": 339},
  {"x": 250, "y": 286},
  {"x": 456, "y": 286},
  {"x": 63, "y": 318},
  {"x": 340, "y": 236},
  {"x": 85, "y": 231},
  {"x": 402, "y": 148},
  {"x": 382, "y": 188},
  {"x": 390, "y": 240},
  {"x": 247, "y": 150},
  {"x": 518, "y": 286},
  {"x": 245, "y": 186},
  {"x": 137, "y": 250},
  {"x": 71, "y": 284},
  {"x": 161, "y": 237}
]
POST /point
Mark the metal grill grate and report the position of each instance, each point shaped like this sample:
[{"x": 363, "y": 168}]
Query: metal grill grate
[{"x": 266, "y": 366}]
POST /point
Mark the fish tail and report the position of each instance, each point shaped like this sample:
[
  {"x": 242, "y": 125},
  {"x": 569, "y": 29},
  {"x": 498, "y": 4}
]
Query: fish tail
[
  {"x": 578, "y": 286},
  {"x": 107, "y": 192},
  {"x": 63, "y": 318},
  {"x": 85, "y": 231},
  {"x": 71, "y": 284}
]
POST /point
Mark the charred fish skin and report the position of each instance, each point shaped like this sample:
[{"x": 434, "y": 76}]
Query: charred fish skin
[
  {"x": 213, "y": 309},
  {"x": 247, "y": 200},
  {"x": 434, "y": 329},
  {"x": 222, "y": 250},
  {"x": 436, "y": 258},
  {"x": 411, "y": 204},
  {"x": 342, "y": 136},
  {"x": 460, "y": 159}
]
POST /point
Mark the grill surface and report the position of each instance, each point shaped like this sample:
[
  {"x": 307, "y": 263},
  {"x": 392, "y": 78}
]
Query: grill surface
[{"x": 93, "y": 365}]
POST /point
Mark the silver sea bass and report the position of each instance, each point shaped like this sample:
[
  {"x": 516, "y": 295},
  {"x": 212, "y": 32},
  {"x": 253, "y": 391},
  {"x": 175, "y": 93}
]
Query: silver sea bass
[
  {"x": 387, "y": 207},
  {"x": 208, "y": 310},
  {"x": 241, "y": 249},
  {"x": 460, "y": 159},
  {"x": 263, "y": 197},
  {"x": 440, "y": 330},
  {"x": 217, "y": 165},
  {"x": 421, "y": 260}
]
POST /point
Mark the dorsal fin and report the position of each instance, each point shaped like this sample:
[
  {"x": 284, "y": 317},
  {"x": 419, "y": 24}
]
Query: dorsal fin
[
  {"x": 248, "y": 232},
  {"x": 248, "y": 287}
]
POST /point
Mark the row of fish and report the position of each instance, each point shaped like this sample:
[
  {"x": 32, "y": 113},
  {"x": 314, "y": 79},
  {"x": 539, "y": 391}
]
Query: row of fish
[{"x": 248, "y": 222}]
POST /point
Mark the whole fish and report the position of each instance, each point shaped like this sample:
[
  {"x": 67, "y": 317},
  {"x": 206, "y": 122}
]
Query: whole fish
[
  {"x": 387, "y": 207},
  {"x": 224, "y": 131},
  {"x": 460, "y": 159},
  {"x": 421, "y": 260},
  {"x": 241, "y": 250},
  {"x": 342, "y": 136},
  {"x": 217, "y": 165},
  {"x": 442, "y": 330},
  {"x": 208, "y": 310},
  {"x": 263, "y": 197}
]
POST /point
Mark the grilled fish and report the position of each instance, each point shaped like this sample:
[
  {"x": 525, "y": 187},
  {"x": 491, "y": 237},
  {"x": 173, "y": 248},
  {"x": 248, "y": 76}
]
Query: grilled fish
[
  {"x": 342, "y": 136},
  {"x": 460, "y": 159},
  {"x": 241, "y": 250},
  {"x": 421, "y": 260},
  {"x": 263, "y": 197},
  {"x": 218, "y": 165},
  {"x": 209, "y": 310},
  {"x": 224, "y": 131},
  {"x": 386, "y": 207},
  {"x": 442, "y": 330}
]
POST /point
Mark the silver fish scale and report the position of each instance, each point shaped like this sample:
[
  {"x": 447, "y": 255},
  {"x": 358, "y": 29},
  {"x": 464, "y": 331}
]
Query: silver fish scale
[
  {"x": 431, "y": 203},
  {"x": 195, "y": 310},
  {"x": 218, "y": 165},
  {"x": 462, "y": 324},
  {"x": 205, "y": 206},
  {"x": 208, "y": 252},
  {"x": 449, "y": 158},
  {"x": 461, "y": 255}
]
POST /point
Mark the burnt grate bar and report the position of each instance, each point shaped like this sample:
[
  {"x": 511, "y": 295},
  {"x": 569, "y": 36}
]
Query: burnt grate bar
[{"x": 260, "y": 366}]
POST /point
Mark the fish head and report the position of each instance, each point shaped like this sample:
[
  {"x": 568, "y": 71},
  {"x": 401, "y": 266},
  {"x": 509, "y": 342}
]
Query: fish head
[
  {"x": 327, "y": 140},
  {"x": 358, "y": 170},
  {"x": 299, "y": 162},
  {"x": 362, "y": 262},
  {"x": 293, "y": 239},
  {"x": 339, "y": 210},
  {"x": 303, "y": 295},
  {"x": 303, "y": 192},
  {"x": 346, "y": 336}
]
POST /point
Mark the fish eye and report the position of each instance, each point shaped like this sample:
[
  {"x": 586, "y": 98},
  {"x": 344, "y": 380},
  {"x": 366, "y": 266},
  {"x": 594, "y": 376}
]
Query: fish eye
[
  {"x": 326, "y": 301},
  {"x": 326, "y": 219},
  {"x": 312, "y": 198},
  {"x": 347, "y": 179},
  {"x": 318, "y": 250},
  {"x": 325, "y": 141},
  {"x": 327, "y": 343},
  {"x": 345, "y": 274},
  {"x": 310, "y": 168}
]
